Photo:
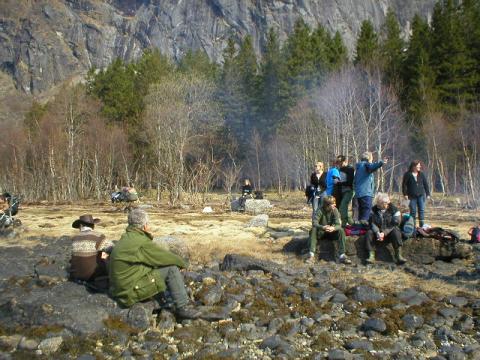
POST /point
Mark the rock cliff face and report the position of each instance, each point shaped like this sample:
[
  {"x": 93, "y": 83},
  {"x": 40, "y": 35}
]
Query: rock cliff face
[{"x": 45, "y": 42}]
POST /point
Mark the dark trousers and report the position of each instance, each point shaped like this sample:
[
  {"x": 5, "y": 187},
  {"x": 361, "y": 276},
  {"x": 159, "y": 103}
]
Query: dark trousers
[
  {"x": 364, "y": 208},
  {"x": 175, "y": 284},
  {"x": 394, "y": 237},
  {"x": 417, "y": 201},
  {"x": 338, "y": 236}
]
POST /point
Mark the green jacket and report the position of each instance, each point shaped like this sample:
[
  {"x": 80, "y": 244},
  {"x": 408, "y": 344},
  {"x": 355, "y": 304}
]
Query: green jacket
[
  {"x": 331, "y": 218},
  {"x": 131, "y": 267}
]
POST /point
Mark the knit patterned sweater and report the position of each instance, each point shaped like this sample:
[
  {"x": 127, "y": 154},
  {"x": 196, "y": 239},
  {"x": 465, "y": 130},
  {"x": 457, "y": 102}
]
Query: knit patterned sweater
[{"x": 86, "y": 262}]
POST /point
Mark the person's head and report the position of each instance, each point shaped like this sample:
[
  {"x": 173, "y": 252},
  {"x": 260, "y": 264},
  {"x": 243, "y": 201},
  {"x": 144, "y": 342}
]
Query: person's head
[
  {"x": 367, "y": 156},
  {"x": 415, "y": 166},
  {"x": 138, "y": 218},
  {"x": 319, "y": 167},
  {"x": 342, "y": 160},
  {"x": 382, "y": 200},
  {"x": 329, "y": 203},
  {"x": 86, "y": 220},
  {"x": 246, "y": 182}
]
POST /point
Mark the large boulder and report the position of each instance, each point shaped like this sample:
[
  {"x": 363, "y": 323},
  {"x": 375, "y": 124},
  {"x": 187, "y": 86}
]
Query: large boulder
[
  {"x": 252, "y": 206},
  {"x": 173, "y": 244}
]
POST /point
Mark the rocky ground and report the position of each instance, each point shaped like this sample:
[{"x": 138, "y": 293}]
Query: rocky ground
[{"x": 254, "y": 307}]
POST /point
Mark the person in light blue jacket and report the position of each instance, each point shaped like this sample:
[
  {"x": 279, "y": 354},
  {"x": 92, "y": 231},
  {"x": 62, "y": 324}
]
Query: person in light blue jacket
[
  {"x": 364, "y": 184},
  {"x": 333, "y": 177}
]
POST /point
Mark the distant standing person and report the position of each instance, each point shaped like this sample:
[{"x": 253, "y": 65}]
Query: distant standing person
[
  {"x": 318, "y": 186},
  {"x": 333, "y": 177},
  {"x": 345, "y": 189},
  {"x": 415, "y": 188},
  {"x": 364, "y": 185}
]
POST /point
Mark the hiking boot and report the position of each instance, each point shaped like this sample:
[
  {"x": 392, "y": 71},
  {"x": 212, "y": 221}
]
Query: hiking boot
[
  {"x": 344, "y": 259},
  {"x": 371, "y": 257},
  {"x": 310, "y": 257},
  {"x": 188, "y": 312},
  {"x": 398, "y": 256}
]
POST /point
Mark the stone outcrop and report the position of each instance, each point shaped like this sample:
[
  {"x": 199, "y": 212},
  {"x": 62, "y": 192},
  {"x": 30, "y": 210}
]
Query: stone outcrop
[{"x": 46, "y": 42}]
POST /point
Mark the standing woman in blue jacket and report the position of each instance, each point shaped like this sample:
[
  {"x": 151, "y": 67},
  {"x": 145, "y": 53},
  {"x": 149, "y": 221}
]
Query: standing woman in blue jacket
[
  {"x": 364, "y": 184},
  {"x": 415, "y": 188}
]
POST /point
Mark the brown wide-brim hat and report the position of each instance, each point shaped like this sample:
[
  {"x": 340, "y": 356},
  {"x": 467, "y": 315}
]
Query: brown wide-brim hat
[{"x": 86, "y": 219}]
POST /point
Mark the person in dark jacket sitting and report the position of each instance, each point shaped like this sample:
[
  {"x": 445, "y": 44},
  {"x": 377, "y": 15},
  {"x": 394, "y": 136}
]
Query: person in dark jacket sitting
[
  {"x": 247, "y": 193},
  {"x": 415, "y": 188},
  {"x": 327, "y": 224},
  {"x": 384, "y": 227}
]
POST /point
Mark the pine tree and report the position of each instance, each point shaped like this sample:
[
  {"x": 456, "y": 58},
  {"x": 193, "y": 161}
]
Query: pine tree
[
  {"x": 456, "y": 77},
  {"x": 470, "y": 18},
  {"x": 417, "y": 73},
  {"x": 392, "y": 48},
  {"x": 198, "y": 61},
  {"x": 320, "y": 40},
  {"x": 367, "y": 49},
  {"x": 273, "y": 86},
  {"x": 337, "y": 51},
  {"x": 300, "y": 59}
]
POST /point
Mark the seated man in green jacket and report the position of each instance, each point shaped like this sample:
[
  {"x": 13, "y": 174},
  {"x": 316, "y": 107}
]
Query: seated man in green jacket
[
  {"x": 139, "y": 269},
  {"x": 327, "y": 224}
]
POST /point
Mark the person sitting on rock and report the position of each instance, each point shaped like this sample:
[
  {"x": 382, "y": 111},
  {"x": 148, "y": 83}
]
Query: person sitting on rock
[
  {"x": 384, "y": 225},
  {"x": 90, "y": 251},
  {"x": 247, "y": 193},
  {"x": 327, "y": 224},
  {"x": 139, "y": 269}
]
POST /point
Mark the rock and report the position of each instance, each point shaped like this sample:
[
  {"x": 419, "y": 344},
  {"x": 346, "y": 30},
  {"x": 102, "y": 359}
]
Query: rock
[
  {"x": 174, "y": 245},
  {"x": 258, "y": 221},
  {"x": 412, "y": 297},
  {"x": 166, "y": 321},
  {"x": 50, "y": 345},
  {"x": 412, "y": 322},
  {"x": 207, "y": 210},
  {"x": 450, "y": 313},
  {"x": 337, "y": 354},
  {"x": 27, "y": 344},
  {"x": 359, "y": 344},
  {"x": 457, "y": 301},
  {"x": 257, "y": 206},
  {"x": 233, "y": 262},
  {"x": 211, "y": 296},
  {"x": 139, "y": 317},
  {"x": 365, "y": 293},
  {"x": 465, "y": 324},
  {"x": 10, "y": 342},
  {"x": 375, "y": 324}
]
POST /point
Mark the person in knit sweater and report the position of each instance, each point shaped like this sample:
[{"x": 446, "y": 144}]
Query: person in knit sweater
[{"x": 90, "y": 250}]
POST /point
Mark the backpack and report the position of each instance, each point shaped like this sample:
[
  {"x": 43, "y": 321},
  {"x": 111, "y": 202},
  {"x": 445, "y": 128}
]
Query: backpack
[
  {"x": 474, "y": 233},
  {"x": 407, "y": 225},
  {"x": 355, "y": 230}
]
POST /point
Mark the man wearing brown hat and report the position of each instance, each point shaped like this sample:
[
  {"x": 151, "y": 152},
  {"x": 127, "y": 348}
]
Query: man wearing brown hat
[{"x": 90, "y": 250}]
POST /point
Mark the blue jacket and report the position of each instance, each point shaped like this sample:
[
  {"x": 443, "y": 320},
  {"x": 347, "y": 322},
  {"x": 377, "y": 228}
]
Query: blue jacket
[
  {"x": 363, "y": 181},
  {"x": 332, "y": 174}
]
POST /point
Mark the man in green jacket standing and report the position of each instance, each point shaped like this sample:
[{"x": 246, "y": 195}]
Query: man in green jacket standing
[
  {"x": 139, "y": 269},
  {"x": 327, "y": 224}
]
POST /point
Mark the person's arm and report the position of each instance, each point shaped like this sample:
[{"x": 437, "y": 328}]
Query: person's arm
[
  {"x": 374, "y": 166},
  {"x": 337, "y": 222},
  {"x": 373, "y": 226},
  {"x": 155, "y": 256}
]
